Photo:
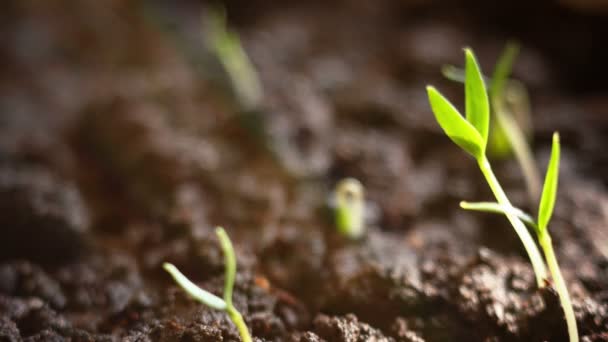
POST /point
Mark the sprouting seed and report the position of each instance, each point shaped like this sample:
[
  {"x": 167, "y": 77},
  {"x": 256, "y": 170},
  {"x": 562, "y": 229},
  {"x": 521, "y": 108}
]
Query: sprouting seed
[
  {"x": 350, "y": 208},
  {"x": 471, "y": 134},
  {"x": 209, "y": 298}
]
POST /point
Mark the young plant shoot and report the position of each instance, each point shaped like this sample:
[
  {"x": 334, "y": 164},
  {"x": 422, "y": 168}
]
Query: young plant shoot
[
  {"x": 209, "y": 298},
  {"x": 510, "y": 108},
  {"x": 230, "y": 52},
  {"x": 471, "y": 134},
  {"x": 350, "y": 208},
  {"x": 545, "y": 211}
]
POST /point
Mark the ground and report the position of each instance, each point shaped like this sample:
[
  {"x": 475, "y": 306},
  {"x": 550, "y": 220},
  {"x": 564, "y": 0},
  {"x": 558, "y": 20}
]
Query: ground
[{"x": 122, "y": 146}]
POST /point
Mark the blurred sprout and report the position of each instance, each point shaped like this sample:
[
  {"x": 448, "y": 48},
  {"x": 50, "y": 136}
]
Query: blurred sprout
[
  {"x": 350, "y": 208},
  {"x": 209, "y": 298},
  {"x": 227, "y": 46}
]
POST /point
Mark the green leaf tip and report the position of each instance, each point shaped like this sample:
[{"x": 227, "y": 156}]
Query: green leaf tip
[
  {"x": 502, "y": 70},
  {"x": 455, "y": 125},
  {"x": 193, "y": 290},
  {"x": 549, "y": 194},
  {"x": 477, "y": 105}
]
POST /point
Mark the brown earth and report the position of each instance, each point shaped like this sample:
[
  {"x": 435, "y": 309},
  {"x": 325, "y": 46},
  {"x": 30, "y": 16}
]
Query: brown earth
[{"x": 121, "y": 147}]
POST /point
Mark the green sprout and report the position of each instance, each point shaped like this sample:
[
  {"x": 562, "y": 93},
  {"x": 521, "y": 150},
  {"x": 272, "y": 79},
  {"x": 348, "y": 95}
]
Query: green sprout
[
  {"x": 471, "y": 134},
  {"x": 350, "y": 208},
  {"x": 510, "y": 107},
  {"x": 209, "y": 298},
  {"x": 545, "y": 211},
  {"x": 230, "y": 52}
]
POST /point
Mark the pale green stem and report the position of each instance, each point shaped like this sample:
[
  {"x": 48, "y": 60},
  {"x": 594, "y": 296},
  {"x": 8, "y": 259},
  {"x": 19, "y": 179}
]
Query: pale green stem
[
  {"x": 238, "y": 321},
  {"x": 521, "y": 149},
  {"x": 560, "y": 285},
  {"x": 229, "y": 262},
  {"x": 533, "y": 253}
]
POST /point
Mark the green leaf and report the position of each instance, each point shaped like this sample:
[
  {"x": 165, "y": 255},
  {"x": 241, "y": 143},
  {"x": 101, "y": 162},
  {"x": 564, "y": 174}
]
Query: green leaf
[
  {"x": 194, "y": 291},
  {"x": 497, "y": 208},
  {"x": 230, "y": 264},
  {"x": 476, "y": 97},
  {"x": 502, "y": 70},
  {"x": 454, "y": 125},
  {"x": 547, "y": 199}
]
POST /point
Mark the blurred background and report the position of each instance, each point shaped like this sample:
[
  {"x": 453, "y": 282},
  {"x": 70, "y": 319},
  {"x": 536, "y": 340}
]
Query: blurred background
[{"x": 129, "y": 128}]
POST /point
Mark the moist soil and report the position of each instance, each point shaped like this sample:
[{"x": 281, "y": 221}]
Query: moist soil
[{"x": 122, "y": 146}]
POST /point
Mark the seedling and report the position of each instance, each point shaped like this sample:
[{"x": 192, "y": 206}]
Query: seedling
[
  {"x": 471, "y": 134},
  {"x": 545, "y": 211},
  {"x": 350, "y": 208},
  {"x": 209, "y": 298},
  {"x": 230, "y": 52},
  {"x": 508, "y": 99}
]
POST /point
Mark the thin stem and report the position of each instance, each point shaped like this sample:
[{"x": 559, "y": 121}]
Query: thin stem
[
  {"x": 230, "y": 264},
  {"x": 521, "y": 149},
  {"x": 238, "y": 321},
  {"x": 533, "y": 253},
  {"x": 560, "y": 285}
]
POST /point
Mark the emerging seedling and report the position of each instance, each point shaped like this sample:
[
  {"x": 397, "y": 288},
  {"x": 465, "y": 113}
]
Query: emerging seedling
[
  {"x": 350, "y": 208},
  {"x": 545, "y": 211},
  {"x": 510, "y": 107},
  {"x": 209, "y": 298},
  {"x": 471, "y": 134},
  {"x": 230, "y": 52}
]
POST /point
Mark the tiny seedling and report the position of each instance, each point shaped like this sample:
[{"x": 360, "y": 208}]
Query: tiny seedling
[
  {"x": 209, "y": 298},
  {"x": 545, "y": 211},
  {"x": 350, "y": 208},
  {"x": 230, "y": 52},
  {"x": 510, "y": 107},
  {"x": 471, "y": 134}
]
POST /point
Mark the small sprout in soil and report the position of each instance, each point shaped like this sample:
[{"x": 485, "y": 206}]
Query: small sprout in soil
[
  {"x": 230, "y": 52},
  {"x": 471, "y": 134},
  {"x": 510, "y": 107},
  {"x": 545, "y": 211},
  {"x": 209, "y": 298},
  {"x": 350, "y": 208}
]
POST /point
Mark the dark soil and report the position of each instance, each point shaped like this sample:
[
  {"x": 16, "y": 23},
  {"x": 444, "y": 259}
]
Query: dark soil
[{"x": 122, "y": 146}]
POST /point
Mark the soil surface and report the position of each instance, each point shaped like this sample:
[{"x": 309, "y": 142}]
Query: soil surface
[{"x": 122, "y": 145}]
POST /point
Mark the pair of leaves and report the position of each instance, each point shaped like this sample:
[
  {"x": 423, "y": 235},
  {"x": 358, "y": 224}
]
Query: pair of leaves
[
  {"x": 471, "y": 134},
  {"x": 547, "y": 200},
  {"x": 499, "y": 143}
]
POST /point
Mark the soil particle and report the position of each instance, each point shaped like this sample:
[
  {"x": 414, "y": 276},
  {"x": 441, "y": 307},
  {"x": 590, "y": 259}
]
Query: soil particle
[
  {"x": 29, "y": 280},
  {"x": 346, "y": 329},
  {"x": 44, "y": 218},
  {"x": 8, "y": 330},
  {"x": 374, "y": 279}
]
